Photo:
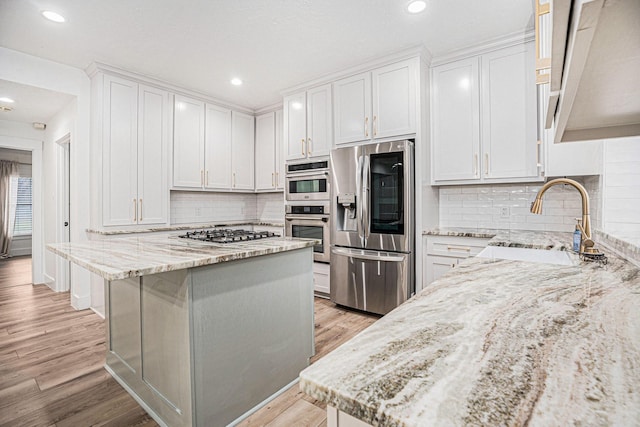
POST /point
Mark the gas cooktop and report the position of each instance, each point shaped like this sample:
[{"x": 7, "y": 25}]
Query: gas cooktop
[{"x": 227, "y": 236}]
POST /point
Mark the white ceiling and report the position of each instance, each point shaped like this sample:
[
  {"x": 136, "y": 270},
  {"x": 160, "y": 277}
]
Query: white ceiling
[
  {"x": 32, "y": 104},
  {"x": 270, "y": 44}
]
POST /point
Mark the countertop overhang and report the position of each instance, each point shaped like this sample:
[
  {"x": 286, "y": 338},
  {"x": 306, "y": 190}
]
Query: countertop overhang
[
  {"x": 124, "y": 257},
  {"x": 497, "y": 342}
]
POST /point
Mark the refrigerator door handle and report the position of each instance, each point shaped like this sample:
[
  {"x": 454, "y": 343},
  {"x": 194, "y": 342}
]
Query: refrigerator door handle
[
  {"x": 366, "y": 171},
  {"x": 374, "y": 256}
]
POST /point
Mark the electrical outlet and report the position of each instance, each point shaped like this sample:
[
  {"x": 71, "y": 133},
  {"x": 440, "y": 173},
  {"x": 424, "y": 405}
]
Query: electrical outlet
[
  {"x": 198, "y": 213},
  {"x": 504, "y": 212}
]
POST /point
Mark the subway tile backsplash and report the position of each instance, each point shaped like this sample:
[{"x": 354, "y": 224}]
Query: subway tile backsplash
[
  {"x": 198, "y": 207},
  {"x": 506, "y": 206}
]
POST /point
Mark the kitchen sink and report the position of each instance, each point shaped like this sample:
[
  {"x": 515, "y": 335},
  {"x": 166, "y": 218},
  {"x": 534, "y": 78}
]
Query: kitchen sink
[{"x": 526, "y": 254}]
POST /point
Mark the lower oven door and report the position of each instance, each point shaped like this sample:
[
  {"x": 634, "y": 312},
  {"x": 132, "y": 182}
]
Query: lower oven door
[
  {"x": 311, "y": 227},
  {"x": 371, "y": 281}
]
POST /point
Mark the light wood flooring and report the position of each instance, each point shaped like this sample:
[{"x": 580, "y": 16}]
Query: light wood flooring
[{"x": 52, "y": 357}]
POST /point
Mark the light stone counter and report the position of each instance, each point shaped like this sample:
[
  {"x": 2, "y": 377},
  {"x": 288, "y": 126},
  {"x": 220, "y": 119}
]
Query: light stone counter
[
  {"x": 124, "y": 257},
  {"x": 496, "y": 342},
  {"x": 176, "y": 227}
]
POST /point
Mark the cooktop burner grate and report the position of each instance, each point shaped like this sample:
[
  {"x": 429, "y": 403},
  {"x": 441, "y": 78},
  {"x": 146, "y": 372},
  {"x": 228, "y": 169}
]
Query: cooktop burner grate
[{"x": 227, "y": 235}]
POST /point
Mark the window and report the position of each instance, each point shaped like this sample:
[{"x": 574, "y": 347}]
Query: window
[{"x": 24, "y": 210}]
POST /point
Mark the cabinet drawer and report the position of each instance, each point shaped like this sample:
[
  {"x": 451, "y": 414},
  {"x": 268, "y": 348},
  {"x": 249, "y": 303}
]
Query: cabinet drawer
[
  {"x": 461, "y": 247},
  {"x": 321, "y": 280}
]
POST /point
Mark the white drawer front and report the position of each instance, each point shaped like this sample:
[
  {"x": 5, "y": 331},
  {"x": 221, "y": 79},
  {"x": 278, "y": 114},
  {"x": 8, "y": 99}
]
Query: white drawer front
[{"x": 462, "y": 247}]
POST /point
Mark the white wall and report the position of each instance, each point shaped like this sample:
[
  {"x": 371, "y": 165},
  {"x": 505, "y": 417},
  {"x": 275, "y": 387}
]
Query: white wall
[
  {"x": 38, "y": 72},
  {"x": 621, "y": 189}
]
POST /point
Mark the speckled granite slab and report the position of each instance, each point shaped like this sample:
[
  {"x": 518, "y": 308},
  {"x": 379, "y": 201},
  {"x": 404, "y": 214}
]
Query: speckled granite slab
[
  {"x": 549, "y": 240},
  {"x": 177, "y": 227},
  {"x": 496, "y": 342},
  {"x": 462, "y": 232},
  {"x": 124, "y": 257}
]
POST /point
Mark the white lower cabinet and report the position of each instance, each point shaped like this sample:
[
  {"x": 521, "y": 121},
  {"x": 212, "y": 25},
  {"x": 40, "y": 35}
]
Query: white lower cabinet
[
  {"x": 442, "y": 253},
  {"x": 337, "y": 418},
  {"x": 321, "y": 274}
]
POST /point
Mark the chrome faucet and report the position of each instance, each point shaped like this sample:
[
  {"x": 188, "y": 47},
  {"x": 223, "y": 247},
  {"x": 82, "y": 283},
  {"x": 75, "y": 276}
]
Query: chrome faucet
[{"x": 586, "y": 242}]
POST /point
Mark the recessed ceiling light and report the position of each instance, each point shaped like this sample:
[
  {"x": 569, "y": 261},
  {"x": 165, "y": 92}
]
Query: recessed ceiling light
[
  {"x": 416, "y": 6},
  {"x": 8, "y": 100},
  {"x": 53, "y": 16},
  {"x": 236, "y": 81}
]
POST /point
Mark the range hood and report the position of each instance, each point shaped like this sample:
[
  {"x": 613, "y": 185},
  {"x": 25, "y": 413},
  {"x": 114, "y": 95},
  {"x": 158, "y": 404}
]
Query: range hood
[{"x": 595, "y": 64}]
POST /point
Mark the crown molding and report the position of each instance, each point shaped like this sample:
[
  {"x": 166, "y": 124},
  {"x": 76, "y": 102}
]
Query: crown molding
[{"x": 484, "y": 47}]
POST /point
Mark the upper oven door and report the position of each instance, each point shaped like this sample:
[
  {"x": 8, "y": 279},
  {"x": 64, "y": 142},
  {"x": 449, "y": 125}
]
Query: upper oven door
[{"x": 308, "y": 187}]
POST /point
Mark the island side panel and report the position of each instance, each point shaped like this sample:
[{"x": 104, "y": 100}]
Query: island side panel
[
  {"x": 252, "y": 331},
  {"x": 148, "y": 343}
]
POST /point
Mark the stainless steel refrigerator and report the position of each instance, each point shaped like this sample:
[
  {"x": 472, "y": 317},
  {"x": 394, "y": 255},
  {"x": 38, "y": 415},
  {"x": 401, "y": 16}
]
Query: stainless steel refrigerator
[{"x": 372, "y": 239}]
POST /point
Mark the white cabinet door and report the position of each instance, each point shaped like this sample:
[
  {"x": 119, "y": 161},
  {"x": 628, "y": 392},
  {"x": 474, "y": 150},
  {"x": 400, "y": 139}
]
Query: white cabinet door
[
  {"x": 242, "y": 151},
  {"x": 265, "y": 157},
  {"x": 436, "y": 266},
  {"x": 394, "y": 99},
  {"x": 119, "y": 152},
  {"x": 295, "y": 128},
  {"x": 217, "y": 148},
  {"x": 456, "y": 121},
  {"x": 319, "y": 121},
  {"x": 280, "y": 171},
  {"x": 352, "y": 115},
  {"x": 188, "y": 143},
  {"x": 509, "y": 118},
  {"x": 153, "y": 183}
]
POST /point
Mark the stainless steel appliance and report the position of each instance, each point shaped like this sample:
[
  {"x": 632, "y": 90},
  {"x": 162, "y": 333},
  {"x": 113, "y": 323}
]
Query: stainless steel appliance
[
  {"x": 308, "y": 182},
  {"x": 216, "y": 235},
  {"x": 311, "y": 221},
  {"x": 372, "y": 240}
]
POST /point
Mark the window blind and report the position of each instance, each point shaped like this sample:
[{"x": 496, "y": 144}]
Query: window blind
[{"x": 24, "y": 210}]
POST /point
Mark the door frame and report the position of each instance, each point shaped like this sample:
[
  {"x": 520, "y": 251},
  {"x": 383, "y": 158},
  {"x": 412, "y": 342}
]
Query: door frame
[
  {"x": 37, "y": 233},
  {"x": 63, "y": 184}
]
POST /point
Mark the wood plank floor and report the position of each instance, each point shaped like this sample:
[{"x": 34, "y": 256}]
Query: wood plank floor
[{"x": 52, "y": 357}]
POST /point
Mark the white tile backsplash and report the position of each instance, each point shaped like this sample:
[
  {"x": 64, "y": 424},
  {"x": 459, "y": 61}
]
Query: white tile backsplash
[
  {"x": 481, "y": 206},
  {"x": 199, "y": 207}
]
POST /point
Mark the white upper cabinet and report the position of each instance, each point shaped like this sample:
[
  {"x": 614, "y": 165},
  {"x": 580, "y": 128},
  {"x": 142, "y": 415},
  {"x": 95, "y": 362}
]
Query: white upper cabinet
[
  {"x": 212, "y": 147},
  {"x": 280, "y": 150},
  {"x": 242, "y": 151},
  {"x": 394, "y": 100},
  {"x": 319, "y": 121},
  {"x": 307, "y": 123},
  {"x": 456, "y": 120},
  {"x": 266, "y": 152},
  {"x": 153, "y": 167},
  {"x": 484, "y": 118},
  {"x": 377, "y": 104},
  {"x": 188, "y": 143},
  {"x": 353, "y": 108},
  {"x": 509, "y": 117},
  {"x": 134, "y": 184},
  {"x": 217, "y": 147}
]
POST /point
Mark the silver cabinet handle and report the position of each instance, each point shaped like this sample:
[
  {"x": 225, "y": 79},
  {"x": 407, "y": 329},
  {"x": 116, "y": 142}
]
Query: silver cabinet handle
[
  {"x": 302, "y": 145},
  {"x": 273, "y": 179},
  {"x": 366, "y": 126},
  {"x": 207, "y": 179},
  {"x": 309, "y": 146},
  {"x": 201, "y": 177},
  {"x": 486, "y": 164},
  {"x": 370, "y": 257},
  {"x": 140, "y": 209},
  {"x": 458, "y": 248},
  {"x": 234, "y": 180},
  {"x": 375, "y": 131},
  {"x": 475, "y": 164},
  {"x": 135, "y": 210}
]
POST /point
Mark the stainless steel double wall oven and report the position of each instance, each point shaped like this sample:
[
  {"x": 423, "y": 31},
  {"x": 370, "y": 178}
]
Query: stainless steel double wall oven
[{"x": 307, "y": 214}]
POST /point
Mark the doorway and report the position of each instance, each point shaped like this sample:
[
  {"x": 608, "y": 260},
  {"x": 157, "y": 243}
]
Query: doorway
[{"x": 63, "y": 222}]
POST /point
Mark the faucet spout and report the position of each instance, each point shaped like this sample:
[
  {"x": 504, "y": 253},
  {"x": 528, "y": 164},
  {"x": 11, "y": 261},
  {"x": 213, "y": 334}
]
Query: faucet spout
[{"x": 586, "y": 243}]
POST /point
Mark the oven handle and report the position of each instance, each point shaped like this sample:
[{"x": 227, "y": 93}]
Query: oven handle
[
  {"x": 372, "y": 257},
  {"x": 310, "y": 217}
]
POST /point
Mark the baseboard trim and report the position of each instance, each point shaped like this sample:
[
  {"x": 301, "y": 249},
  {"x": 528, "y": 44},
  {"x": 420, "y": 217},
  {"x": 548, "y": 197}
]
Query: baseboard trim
[
  {"x": 80, "y": 303},
  {"x": 97, "y": 312}
]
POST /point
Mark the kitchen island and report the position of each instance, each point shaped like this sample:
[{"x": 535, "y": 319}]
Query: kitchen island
[
  {"x": 496, "y": 342},
  {"x": 201, "y": 333}
]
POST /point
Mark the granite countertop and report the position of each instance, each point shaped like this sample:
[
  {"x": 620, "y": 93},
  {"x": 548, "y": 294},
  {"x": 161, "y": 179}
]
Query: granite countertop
[
  {"x": 178, "y": 227},
  {"x": 497, "y": 342},
  {"x": 124, "y": 257}
]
